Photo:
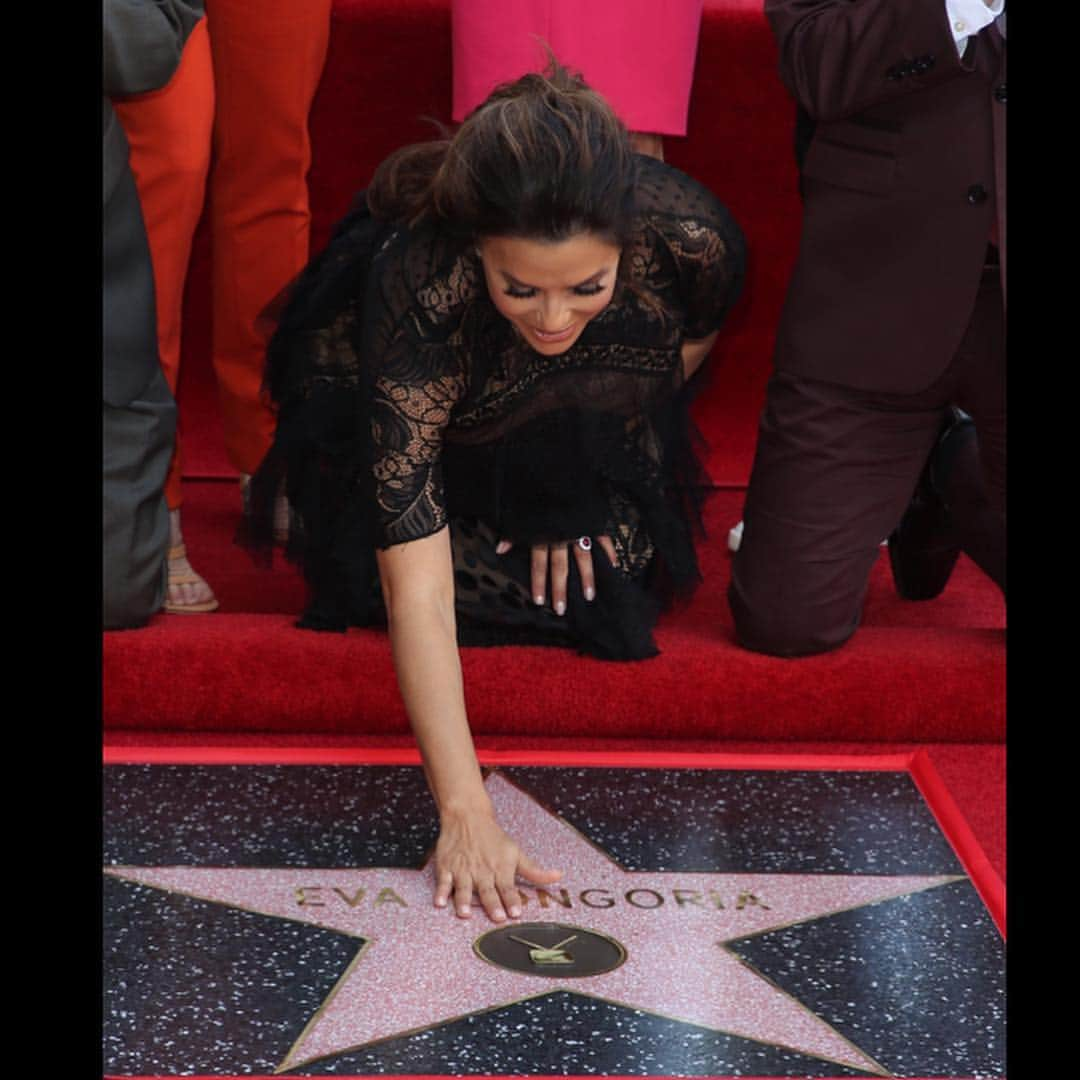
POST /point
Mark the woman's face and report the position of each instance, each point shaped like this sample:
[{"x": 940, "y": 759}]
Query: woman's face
[{"x": 550, "y": 291}]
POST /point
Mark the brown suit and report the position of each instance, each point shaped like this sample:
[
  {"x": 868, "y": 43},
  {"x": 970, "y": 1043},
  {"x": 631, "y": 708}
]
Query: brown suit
[{"x": 890, "y": 315}]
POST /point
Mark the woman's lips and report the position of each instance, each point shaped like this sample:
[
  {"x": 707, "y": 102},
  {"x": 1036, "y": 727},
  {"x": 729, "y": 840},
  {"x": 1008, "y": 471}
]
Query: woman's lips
[{"x": 555, "y": 335}]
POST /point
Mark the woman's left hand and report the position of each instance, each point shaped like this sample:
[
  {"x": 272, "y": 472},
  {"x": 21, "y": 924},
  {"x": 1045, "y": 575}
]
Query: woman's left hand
[{"x": 555, "y": 559}]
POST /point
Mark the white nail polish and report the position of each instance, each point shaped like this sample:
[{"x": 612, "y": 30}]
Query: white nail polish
[
  {"x": 538, "y": 601},
  {"x": 560, "y": 608},
  {"x": 590, "y": 593}
]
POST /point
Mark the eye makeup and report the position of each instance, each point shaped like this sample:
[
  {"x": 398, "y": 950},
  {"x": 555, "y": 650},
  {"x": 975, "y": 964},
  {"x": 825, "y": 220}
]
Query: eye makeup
[{"x": 590, "y": 287}]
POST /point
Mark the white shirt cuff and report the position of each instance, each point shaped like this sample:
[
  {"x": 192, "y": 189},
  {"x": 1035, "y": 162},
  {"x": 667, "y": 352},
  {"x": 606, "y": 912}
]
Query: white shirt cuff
[{"x": 967, "y": 17}]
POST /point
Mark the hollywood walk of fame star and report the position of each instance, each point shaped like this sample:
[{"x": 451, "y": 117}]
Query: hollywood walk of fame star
[{"x": 418, "y": 967}]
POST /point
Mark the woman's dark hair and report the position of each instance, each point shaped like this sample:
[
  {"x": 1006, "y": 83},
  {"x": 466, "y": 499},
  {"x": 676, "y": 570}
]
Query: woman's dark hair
[{"x": 543, "y": 158}]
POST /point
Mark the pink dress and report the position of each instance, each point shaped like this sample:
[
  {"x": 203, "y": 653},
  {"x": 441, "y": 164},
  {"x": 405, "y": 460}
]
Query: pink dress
[{"x": 638, "y": 53}]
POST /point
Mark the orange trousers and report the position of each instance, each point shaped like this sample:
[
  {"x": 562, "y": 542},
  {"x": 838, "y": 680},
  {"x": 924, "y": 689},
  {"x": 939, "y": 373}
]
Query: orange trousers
[{"x": 236, "y": 111}]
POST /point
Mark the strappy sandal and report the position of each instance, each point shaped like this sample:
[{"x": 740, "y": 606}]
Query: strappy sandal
[{"x": 186, "y": 577}]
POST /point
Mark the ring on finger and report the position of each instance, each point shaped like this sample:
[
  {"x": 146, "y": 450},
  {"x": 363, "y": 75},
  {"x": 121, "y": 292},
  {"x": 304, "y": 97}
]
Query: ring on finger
[{"x": 585, "y": 543}]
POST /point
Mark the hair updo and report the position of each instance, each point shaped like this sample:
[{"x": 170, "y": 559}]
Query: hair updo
[{"x": 543, "y": 158}]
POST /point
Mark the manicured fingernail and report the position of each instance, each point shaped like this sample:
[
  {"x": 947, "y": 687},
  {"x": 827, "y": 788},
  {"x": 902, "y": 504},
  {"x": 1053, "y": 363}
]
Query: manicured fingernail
[
  {"x": 464, "y": 912},
  {"x": 502, "y": 547},
  {"x": 539, "y": 600},
  {"x": 590, "y": 593},
  {"x": 440, "y": 902},
  {"x": 499, "y": 916},
  {"x": 515, "y": 912},
  {"x": 560, "y": 608}
]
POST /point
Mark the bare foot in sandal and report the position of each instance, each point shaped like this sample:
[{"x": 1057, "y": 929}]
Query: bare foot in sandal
[{"x": 188, "y": 592}]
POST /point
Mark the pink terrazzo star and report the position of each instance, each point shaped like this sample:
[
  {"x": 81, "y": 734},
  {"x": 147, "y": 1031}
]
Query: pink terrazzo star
[{"x": 673, "y": 927}]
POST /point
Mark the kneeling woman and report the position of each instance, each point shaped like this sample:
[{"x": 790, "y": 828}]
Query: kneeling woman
[{"x": 482, "y": 374}]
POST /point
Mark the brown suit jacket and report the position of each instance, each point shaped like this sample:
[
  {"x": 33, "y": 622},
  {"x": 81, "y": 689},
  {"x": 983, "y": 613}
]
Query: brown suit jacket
[{"x": 900, "y": 181}]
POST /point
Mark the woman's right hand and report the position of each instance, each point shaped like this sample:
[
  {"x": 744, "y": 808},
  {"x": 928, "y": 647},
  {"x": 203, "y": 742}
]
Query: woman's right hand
[
  {"x": 555, "y": 559},
  {"x": 475, "y": 856}
]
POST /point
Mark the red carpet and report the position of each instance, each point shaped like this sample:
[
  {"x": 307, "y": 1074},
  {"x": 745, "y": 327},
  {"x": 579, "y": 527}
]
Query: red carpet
[{"x": 915, "y": 673}]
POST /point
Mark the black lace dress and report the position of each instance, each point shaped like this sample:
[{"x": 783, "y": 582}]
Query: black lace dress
[{"x": 408, "y": 404}]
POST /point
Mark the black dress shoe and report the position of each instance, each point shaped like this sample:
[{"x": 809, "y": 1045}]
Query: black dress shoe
[{"x": 924, "y": 547}]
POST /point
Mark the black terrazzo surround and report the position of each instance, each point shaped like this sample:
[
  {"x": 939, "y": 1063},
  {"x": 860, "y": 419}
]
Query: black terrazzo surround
[{"x": 197, "y": 987}]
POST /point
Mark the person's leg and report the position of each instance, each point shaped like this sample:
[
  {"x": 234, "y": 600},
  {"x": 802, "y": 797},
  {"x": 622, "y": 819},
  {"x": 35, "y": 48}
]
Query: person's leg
[
  {"x": 268, "y": 59},
  {"x": 959, "y": 505},
  {"x": 973, "y": 484},
  {"x": 137, "y": 441},
  {"x": 138, "y": 420},
  {"x": 169, "y": 132},
  {"x": 833, "y": 473},
  {"x": 648, "y": 142}
]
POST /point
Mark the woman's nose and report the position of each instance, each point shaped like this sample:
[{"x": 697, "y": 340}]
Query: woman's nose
[{"x": 553, "y": 315}]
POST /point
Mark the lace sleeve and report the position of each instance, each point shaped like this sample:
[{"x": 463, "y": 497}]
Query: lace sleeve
[
  {"x": 363, "y": 375},
  {"x": 417, "y": 378},
  {"x": 697, "y": 261},
  {"x": 407, "y": 423}
]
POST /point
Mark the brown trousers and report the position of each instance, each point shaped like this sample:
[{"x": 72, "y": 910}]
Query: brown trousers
[{"x": 834, "y": 471}]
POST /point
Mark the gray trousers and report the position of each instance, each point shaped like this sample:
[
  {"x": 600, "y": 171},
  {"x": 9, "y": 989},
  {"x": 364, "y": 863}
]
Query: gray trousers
[
  {"x": 138, "y": 442},
  {"x": 138, "y": 422}
]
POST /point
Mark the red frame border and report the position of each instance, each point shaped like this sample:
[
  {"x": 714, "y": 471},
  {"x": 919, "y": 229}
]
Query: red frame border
[
  {"x": 916, "y": 763},
  {"x": 409, "y": 755}
]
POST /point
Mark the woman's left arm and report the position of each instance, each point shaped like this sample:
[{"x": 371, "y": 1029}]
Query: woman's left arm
[
  {"x": 702, "y": 260},
  {"x": 694, "y": 353}
]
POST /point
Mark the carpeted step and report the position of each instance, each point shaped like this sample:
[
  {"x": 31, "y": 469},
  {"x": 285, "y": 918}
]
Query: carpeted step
[{"x": 927, "y": 671}]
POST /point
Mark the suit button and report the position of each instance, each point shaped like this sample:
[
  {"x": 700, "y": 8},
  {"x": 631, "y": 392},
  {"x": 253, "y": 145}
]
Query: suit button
[
  {"x": 976, "y": 195},
  {"x": 999, "y": 93}
]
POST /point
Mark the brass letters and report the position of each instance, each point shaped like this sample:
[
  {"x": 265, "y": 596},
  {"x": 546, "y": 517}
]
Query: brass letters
[
  {"x": 546, "y": 899},
  {"x": 353, "y": 900},
  {"x": 644, "y": 899},
  {"x": 747, "y": 899},
  {"x": 610, "y": 900},
  {"x": 648, "y": 892},
  {"x": 686, "y": 896}
]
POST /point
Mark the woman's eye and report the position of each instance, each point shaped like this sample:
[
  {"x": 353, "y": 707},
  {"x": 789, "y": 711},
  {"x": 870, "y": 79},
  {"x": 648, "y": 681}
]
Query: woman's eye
[{"x": 528, "y": 294}]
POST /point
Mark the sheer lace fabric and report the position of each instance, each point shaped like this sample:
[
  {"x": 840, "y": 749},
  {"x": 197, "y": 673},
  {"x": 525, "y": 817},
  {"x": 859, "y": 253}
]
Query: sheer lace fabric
[{"x": 407, "y": 403}]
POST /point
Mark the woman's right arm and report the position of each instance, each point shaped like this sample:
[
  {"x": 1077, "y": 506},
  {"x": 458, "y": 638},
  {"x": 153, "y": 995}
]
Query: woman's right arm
[{"x": 473, "y": 854}]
